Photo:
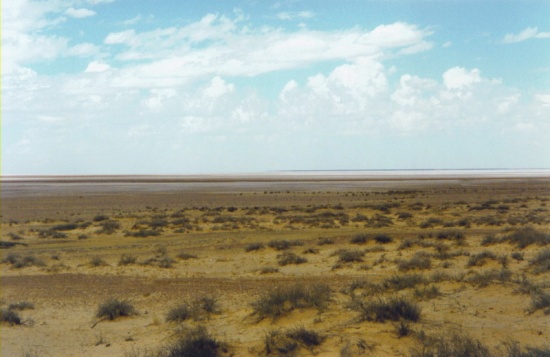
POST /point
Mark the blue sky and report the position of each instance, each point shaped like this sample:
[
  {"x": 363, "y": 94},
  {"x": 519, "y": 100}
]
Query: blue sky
[{"x": 179, "y": 87}]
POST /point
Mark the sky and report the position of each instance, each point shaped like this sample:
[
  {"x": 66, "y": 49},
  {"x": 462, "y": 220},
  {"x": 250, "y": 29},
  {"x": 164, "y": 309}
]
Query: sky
[{"x": 247, "y": 86}]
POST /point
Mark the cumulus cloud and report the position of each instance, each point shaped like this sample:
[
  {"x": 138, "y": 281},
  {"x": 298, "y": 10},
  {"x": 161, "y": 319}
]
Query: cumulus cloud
[
  {"x": 526, "y": 34},
  {"x": 458, "y": 77},
  {"x": 218, "y": 87}
]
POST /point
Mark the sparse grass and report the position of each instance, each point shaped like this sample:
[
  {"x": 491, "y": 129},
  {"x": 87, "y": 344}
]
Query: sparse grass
[
  {"x": 288, "y": 258},
  {"x": 393, "y": 309},
  {"x": 282, "y": 301},
  {"x": 517, "y": 256},
  {"x": 114, "y": 308},
  {"x": 481, "y": 258},
  {"x": 143, "y": 233}
]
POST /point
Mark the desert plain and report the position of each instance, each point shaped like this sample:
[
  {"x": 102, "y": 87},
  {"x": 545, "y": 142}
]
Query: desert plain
[{"x": 291, "y": 265}]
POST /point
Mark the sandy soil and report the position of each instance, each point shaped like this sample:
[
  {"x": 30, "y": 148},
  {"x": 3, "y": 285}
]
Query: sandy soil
[{"x": 65, "y": 262}]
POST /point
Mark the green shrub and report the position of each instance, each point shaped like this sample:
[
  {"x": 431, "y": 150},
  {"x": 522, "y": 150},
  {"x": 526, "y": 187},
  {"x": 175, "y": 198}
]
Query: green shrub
[{"x": 113, "y": 308}]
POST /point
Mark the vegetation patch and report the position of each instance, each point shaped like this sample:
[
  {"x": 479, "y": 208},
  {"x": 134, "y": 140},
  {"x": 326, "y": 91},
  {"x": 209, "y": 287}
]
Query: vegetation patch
[
  {"x": 393, "y": 309},
  {"x": 114, "y": 308},
  {"x": 282, "y": 301}
]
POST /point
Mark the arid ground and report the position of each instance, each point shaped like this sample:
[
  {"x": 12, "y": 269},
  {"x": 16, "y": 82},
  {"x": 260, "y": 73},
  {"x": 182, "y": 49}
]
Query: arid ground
[{"x": 303, "y": 266}]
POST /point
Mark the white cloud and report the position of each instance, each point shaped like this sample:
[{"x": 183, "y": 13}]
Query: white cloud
[
  {"x": 83, "y": 50},
  {"x": 97, "y": 66},
  {"x": 79, "y": 13},
  {"x": 218, "y": 87},
  {"x": 544, "y": 99},
  {"x": 459, "y": 77},
  {"x": 528, "y": 33}
]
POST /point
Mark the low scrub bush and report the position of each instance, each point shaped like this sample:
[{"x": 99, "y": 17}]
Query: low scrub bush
[
  {"x": 127, "y": 259},
  {"x": 453, "y": 345},
  {"x": 360, "y": 238},
  {"x": 418, "y": 261},
  {"x": 541, "y": 262},
  {"x": 10, "y": 316},
  {"x": 17, "y": 261},
  {"x": 143, "y": 233},
  {"x": 541, "y": 301},
  {"x": 348, "y": 255},
  {"x": 403, "y": 281},
  {"x": 269, "y": 270},
  {"x": 22, "y": 305},
  {"x": 325, "y": 241},
  {"x": 485, "y": 278},
  {"x": 253, "y": 246},
  {"x": 285, "y": 343},
  {"x": 282, "y": 301},
  {"x": 481, "y": 258},
  {"x": 98, "y": 262},
  {"x": 393, "y": 309},
  {"x": 186, "y": 256},
  {"x": 108, "y": 227},
  {"x": 287, "y": 258},
  {"x": 383, "y": 238},
  {"x": 284, "y": 244},
  {"x": 196, "y": 342},
  {"x": 526, "y": 236},
  {"x": 427, "y": 292},
  {"x": 113, "y": 308}
]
